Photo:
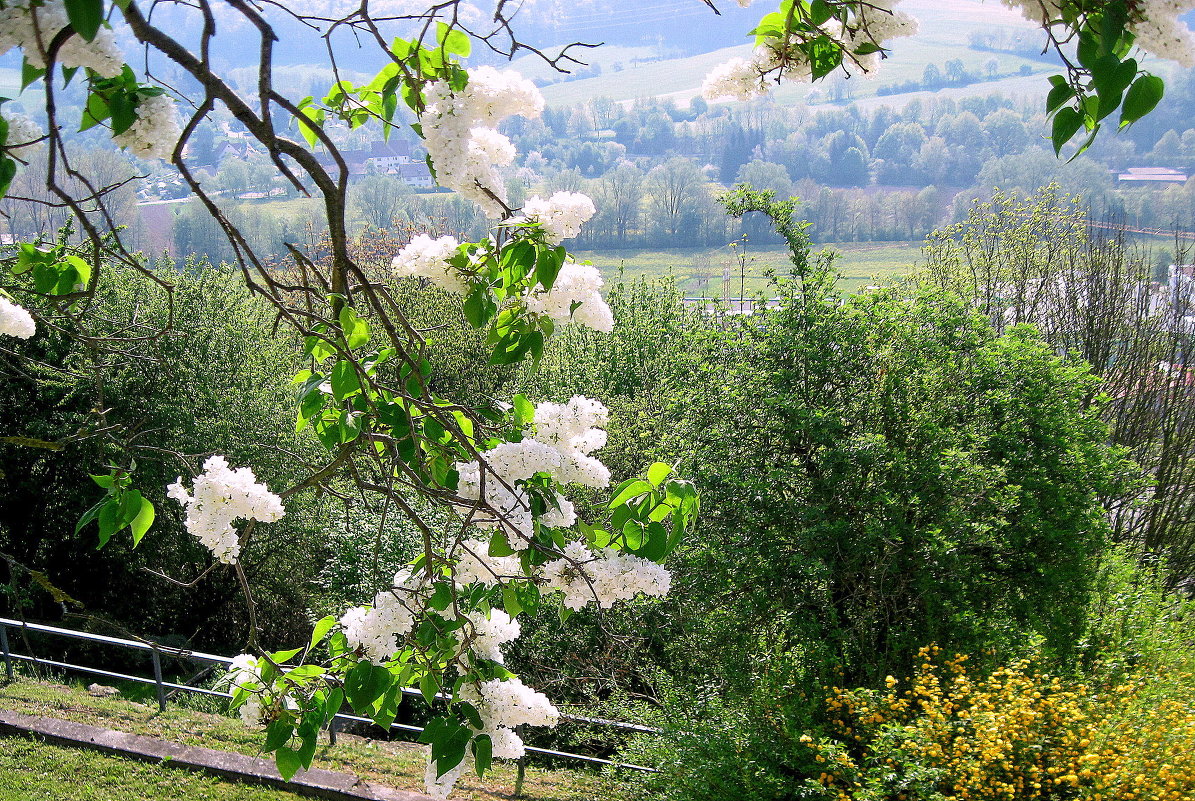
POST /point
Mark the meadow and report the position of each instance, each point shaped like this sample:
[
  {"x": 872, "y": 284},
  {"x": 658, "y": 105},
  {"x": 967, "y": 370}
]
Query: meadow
[{"x": 704, "y": 271}]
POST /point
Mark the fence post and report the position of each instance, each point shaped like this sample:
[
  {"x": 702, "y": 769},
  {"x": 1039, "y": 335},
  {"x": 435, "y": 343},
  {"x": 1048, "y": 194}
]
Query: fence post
[
  {"x": 158, "y": 679},
  {"x": 4, "y": 648}
]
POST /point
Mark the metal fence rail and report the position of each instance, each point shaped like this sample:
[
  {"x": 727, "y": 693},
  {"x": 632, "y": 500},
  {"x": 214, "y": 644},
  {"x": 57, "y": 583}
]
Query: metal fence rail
[{"x": 157, "y": 651}]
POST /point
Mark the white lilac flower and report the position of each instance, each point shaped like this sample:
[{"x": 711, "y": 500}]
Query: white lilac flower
[
  {"x": 605, "y": 576},
  {"x": 561, "y": 215},
  {"x": 565, "y": 436},
  {"x": 744, "y": 79},
  {"x": 490, "y": 634},
  {"x": 220, "y": 496},
  {"x": 18, "y": 29},
  {"x": 377, "y": 629},
  {"x": 22, "y": 133},
  {"x": 155, "y": 132},
  {"x": 15, "y": 321},
  {"x": 575, "y": 284},
  {"x": 429, "y": 258},
  {"x": 459, "y": 132},
  {"x": 475, "y": 565}
]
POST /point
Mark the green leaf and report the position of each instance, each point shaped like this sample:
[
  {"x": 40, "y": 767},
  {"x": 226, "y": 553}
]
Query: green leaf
[
  {"x": 510, "y": 601},
  {"x": 345, "y": 380},
  {"x": 478, "y": 307},
  {"x": 143, "y": 520},
  {"x": 95, "y": 112},
  {"x": 365, "y": 683},
  {"x": 524, "y": 409},
  {"x": 428, "y": 687},
  {"x": 631, "y": 488},
  {"x": 499, "y": 546},
  {"x": 356, "y": 330},
  {"x": 1067, "y": 122},
  {"x": 1058, "y": 95},
  {"x": 278, "y": 734},
  {"x": 29, "y": 74},
  {"x": 101, "y": 480},
  {"x": 658, "y": 472},
  {"x": 1143, "y": 96},
  {"x": 483, "y": 754},
  {"x": 321, "y": 630},
  {"x": 8, "y": 171},
  {"x": 453, "y": 40},
  {"x": 86, "y": 16},
  {"x": 548, "y": 262},
  {"x": 288, "y": 762},
  {"x": 385, "y": 709},
  {"x": 88, "y": 516},
  {"x": 282, "y": 657},
  {"x": 124, "y": 111},
  {"x": 82, "y": 270},
  {"x": 107, "y": 520}
]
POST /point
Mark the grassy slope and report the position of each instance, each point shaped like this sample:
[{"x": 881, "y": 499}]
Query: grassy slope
[
  {"x": 25, "y": 763},
  {"x": 700, "y": 270},
  {"x": 31, "y": 770}
]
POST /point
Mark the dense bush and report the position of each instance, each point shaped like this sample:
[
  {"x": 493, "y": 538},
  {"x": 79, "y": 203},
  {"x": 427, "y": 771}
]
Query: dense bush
[{"x": 217, "y": 381}]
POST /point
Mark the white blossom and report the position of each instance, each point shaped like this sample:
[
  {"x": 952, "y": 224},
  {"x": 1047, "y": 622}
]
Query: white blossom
[
  {"x": 429, "y": 258},
  {"x": 155, "y": 132},
  {"x": 22, "y": 133},
  {"x": 490, "y": 634},
  {"x": 17, "y": 29},
  {"x": 459, "y": 132},
  {"x": 222, "y": 495},
  {"x": 744, "y": 79},
  {"x": 376, "y": 629},
  {"x": 475, "y": 565},
  {"x": 1162, "y": 33},
  {"x": 565, "y": 436},
  {"x": 15, "y": 321},
  {"x": 607, "y": 576},
  {"x": 575, "y": 284},
  {"x": 561, "y": 215}
]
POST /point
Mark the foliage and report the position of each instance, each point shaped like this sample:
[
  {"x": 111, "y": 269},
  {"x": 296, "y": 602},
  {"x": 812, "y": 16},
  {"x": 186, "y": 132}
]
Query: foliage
[
  {"x": 391, "y": 441},
  {"x": 216, "y": 381},
  {"x": 1034, "y": 259}
]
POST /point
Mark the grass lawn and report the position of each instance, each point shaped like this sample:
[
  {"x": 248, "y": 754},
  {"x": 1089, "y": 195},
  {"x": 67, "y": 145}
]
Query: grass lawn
[
  {"x": 26, "y": 764},
  {"x": 699, "y": 271},
  {"x": 33, "y": 770}
]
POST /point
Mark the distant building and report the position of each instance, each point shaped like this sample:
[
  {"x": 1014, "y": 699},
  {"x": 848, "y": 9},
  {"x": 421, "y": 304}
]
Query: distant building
[
  {"x": 1147, "y": 176},
  {"x": 380, "y": 157},
  {"x": 416, "y": 174}
]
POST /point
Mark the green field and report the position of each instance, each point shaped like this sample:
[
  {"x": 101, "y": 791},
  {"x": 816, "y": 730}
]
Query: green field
[{"x": 702, "y": 271}]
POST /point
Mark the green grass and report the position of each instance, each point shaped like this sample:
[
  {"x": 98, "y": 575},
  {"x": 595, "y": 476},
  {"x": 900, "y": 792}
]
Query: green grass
[
  {"x": 31, "y": 770},
  {"x": 699, "y": 271},
  {"x": 395, "y": 764}
]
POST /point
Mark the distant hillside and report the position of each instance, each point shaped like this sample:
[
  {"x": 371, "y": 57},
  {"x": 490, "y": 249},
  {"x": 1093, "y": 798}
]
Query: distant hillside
[{"x": 988, "y": 38}]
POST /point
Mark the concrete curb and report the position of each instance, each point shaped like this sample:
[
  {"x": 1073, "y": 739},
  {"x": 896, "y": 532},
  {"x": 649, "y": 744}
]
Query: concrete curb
[{"x": 316, "y": 782}]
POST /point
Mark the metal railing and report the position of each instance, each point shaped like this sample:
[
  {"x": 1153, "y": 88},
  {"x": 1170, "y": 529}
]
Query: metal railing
[{"x": 157, "y": 651}]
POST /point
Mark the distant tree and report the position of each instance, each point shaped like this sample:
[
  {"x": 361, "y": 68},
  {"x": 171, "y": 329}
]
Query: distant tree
[
  {"x": 766, "y": 176},
  {"x": 619, "y": 198},
  {"x": 379, "y": 199},
  {"x": 931, "y": 77},
  {"x": 675, "y": 187}
]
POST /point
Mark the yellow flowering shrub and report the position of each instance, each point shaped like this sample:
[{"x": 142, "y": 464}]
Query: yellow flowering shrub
[{"x": 1015, "y": 733}]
